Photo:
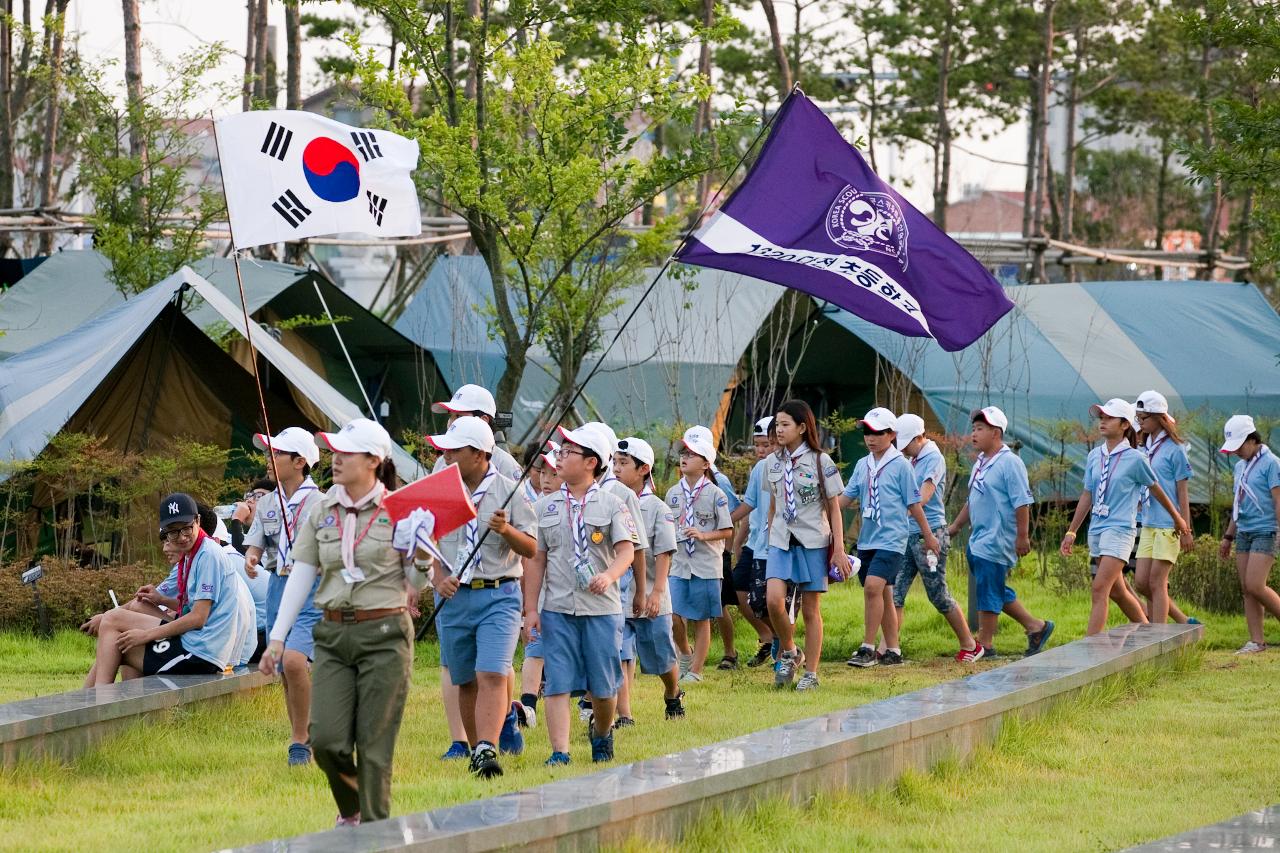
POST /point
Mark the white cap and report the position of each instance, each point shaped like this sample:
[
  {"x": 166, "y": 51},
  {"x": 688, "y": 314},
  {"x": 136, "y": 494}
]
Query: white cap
[
  {"x": 909, "y": 426},
  {"x": 466, "y": 431},
  {"x": 468, "y": 398},
  {"x": 550, "y": 455},
  {"x": 699, "y": 432},
  {"x": 1236, "y": 430},
  {"x": 291, "y": 440},
  {"x": 360, "y": 436},
  {"x": 762, "y": 426},
  {"x": 1152, "y": 403},
  {"x": 992, "y": 416},
  {"x": 608, "y": 433},
  {"x": 220, "y": 531},
  {"x": 637, "y": 448},
  {"x": 1115, "y": 408},
  {"x": 880, "y": 419},
  {"x": 592, "y": 439},
  {"x": 702, "y": 447}
]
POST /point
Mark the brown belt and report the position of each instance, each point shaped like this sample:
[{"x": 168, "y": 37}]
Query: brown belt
[{"x": 361, "y": 615}]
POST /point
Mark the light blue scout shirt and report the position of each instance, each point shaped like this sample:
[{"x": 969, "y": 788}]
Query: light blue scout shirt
[
  {"x": 896, "y": 490},
  {"x": 930, "y": 464},
  {"x": 1171, "y": 464},
  {"x": 994, "y": 497},
  {"x": 212, "y": 578},
  {"x": 757, "y": 497},
  {"x": 660, "y": 526},
  {"x": 1128, "y": 475},
  {"x": 727, "y": 487},
  {"x": 1256, "y": 506}
]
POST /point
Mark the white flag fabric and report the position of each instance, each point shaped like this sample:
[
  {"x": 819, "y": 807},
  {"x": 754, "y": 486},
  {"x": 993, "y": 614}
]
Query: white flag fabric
[{"x": 290, "y": 174}]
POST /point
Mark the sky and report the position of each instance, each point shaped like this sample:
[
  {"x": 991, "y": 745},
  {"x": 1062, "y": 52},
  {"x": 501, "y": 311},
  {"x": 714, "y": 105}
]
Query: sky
[{"x": 174, "y": 27}]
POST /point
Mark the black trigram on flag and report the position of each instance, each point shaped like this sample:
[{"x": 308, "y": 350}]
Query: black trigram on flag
[
  {"x": 377, "y": 206},
  {"x": 291, "y": 209},
  {"x": 276, "y": 143},
  {"x": 366, "y": 144}
]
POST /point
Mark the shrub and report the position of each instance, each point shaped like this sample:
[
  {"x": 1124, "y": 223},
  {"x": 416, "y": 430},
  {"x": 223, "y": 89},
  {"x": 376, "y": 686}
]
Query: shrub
[
  {"x": 70, "y": 594},
  {"x": 1202, "y": 578}
]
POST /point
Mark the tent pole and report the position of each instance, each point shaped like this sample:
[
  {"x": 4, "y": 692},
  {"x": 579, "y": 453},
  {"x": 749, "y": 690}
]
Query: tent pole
[{"x": 341, "y": 343}]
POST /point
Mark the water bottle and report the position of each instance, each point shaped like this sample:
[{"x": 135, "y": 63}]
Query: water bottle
[
  {"x": 225, "y": 511},
  {"x": 931, "y": 560},
  {"x": 584, "y": 573}
]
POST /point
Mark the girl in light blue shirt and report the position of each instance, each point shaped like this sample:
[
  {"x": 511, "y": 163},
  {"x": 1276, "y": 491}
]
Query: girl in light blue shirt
[{"x": 1255, "y": 520}]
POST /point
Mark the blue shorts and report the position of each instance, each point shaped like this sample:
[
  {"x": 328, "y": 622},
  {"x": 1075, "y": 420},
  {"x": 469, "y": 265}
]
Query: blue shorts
[
  {"x": 581, "y": 653},
  {"x": 626, "y": 643},
  {"x": 880, "y": 564},
  {"x": 696, "y": 598},
  {"x": 299, "y": 638},
  {"x": 1112, "y": 542},
  {"x": 533, "y": 648},
  {"x": 654, "y": 647},
  {"x": 989, "y": 583},
  {"x": 479, "y": 629},
  {"x": 805, "y": 567},
  {"x": 1262, "y": 542}
]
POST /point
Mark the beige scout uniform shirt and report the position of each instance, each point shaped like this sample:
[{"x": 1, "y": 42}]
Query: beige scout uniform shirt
[
  {"x": 710, "y": 513},
  {"x": 811, "y": 527},
  {"x": 608, "y": 523},
  {"x": 615, "y": 487},
  {"x": 267, "y": 531},
  {"x": 320, "y": 543},
  {"x": 497, "y": 560},
  {"x": 659, "y": 525}
]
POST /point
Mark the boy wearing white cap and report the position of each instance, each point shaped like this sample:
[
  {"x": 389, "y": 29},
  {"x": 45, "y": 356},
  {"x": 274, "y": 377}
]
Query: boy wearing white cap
[
  {"x": 278, "y": 518},
  {"x": 647, "y": 605},
  {"x": 728, "y": 591},
  {"x": 751, "y": 541},
  {"x": 930, "y": 468},
  {"x": 475, "y": 401},
  {"x": 586, "y": 543},
  {"x": 480, "y": 624},
  {"x": 999, "y": 505},
  {"x": 1115, "y": 475},
  {"x": 1255, "y": 521},
  {"x": 703, "y": 525},
  {"x": 884, "y": 485}
]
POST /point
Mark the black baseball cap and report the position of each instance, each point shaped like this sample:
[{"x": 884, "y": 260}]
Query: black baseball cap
[{"x": 178, "y": 508}]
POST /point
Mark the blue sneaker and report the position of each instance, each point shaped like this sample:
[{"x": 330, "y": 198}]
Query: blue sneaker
[
  {"x": 557, "y": 758},
  {"x": 510, "y": 740},
  {"x": 602, "y": 748},
  {"x": 458, "y": 749},
  {"x": 1191, "y": 620},
  {"x": 299, "y": 754},
  {"x": 1036, "y": 641}
]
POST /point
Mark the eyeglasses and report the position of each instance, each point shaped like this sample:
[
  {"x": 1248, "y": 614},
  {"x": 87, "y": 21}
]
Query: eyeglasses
[
  {"x": 255, "y": 494},
  {"x": 687, "y": 454},
  {"x": 568, "y": 451},
  {"x": 178, "y": 534}
]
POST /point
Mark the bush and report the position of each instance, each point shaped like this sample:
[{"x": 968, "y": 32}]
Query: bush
[
  {"x": 70, "y": 594},
  {"x": 1202, "y": 578}
]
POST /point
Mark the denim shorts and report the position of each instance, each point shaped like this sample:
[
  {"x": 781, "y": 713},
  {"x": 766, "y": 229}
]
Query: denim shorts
[
  {"x": 581, "y": 653},
  {"x": 626, "y": 643},
  {"x": 989, "y": 582},
  {"x": 533, "y": 648},
  {"x": 654, "y": 647},
  {"x": 479, "y": 629},
  {"x": 935, "y": 582},
  {"x": 299, "y": 638},
  {"x": 1262, "y": 542},
  {"x": 1112, "y": 542}
]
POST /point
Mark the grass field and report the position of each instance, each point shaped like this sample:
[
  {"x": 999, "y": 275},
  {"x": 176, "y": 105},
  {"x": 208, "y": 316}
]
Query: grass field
[{"x": 221, "y": 767}]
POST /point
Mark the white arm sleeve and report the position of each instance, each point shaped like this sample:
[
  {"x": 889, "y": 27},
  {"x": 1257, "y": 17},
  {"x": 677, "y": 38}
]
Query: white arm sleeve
[{"x": 302, "y": 576}]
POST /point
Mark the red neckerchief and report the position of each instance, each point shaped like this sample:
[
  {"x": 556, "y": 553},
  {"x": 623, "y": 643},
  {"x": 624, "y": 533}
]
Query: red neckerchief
[{"x": 184, "y": 569}]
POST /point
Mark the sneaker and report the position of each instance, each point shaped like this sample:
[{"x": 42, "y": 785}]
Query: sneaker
[
  {"x": 690, "y": 677},
  {"x": 774, "y": 649},
  {"x": 1251, "y": 647},
  {"x": 891, "y": 658},
  {"x": 526, "y": 716},
  {"x": 761, "y": 655},
  {"x": 786, "y": 671},
  {"x": 864, "y": 657},
  {"x": 675, "y": 708},
  {"x": 459, "y": 749},
  {"x": 584, "y": 709},
  {"x": 728, "y": 662},
  {"x": 808, "y": 681},
  {"x": 299, "y": 754},
  {"x": 686, "y": 663},
  {"x": 623, "y": 723},
  {"x": 484, "y": 761},
  {"x": 970, "y": 655},
  {"x": 557, "y": 758},
  {"x": 990, "y": 653},
  {"x": 1191, "y": 620},
  {"x": 1036, "y": 641},
  {"x": 510, "y": 740},
  {"x": 354, "y": 820},
  {"x": 602, "y": 748}
]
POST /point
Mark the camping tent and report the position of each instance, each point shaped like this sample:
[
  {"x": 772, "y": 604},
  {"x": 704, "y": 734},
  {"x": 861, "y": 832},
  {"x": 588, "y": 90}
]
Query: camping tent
[
  {"x": 72, "y": 287},
  {"x": 676, "y": 360}
]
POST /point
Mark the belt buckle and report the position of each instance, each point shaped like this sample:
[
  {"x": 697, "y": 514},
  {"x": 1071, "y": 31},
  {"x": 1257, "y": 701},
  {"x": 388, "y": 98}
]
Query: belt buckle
[
  {"x": 348, "y": 616},
  {"x": 477, "y": 584}
]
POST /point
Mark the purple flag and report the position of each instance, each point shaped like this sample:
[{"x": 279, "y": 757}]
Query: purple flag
[{"x": 811, "y": 215}]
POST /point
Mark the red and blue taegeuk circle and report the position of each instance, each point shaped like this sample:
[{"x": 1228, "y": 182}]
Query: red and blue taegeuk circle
[{"x": 332, "y": 170}]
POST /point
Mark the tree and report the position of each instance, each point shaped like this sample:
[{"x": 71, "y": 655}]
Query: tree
[{"x": 56, "y": 27}]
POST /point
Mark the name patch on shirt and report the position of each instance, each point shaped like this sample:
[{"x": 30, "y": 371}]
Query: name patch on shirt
[{"x": 831, "y": 470}]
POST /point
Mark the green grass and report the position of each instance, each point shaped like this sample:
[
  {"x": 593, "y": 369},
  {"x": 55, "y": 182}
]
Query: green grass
[
  {"x": 222, "y": 765},
  {"x": 1141, "y": 757}
]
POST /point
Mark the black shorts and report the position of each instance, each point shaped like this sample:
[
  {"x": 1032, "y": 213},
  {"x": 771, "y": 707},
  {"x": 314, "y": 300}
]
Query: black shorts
[
  {"x": 743, "y": 573},
  {"x": 261, "y": 647},
  {"x": 728, "y": 593},
  {"x": 167, "y": 656}
]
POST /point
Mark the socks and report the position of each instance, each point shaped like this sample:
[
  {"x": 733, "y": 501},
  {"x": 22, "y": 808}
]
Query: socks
[
  {"x": 481, "y": 745},
  {"x": 896, "y": 651},
  {"x": 530, "y": 700}
]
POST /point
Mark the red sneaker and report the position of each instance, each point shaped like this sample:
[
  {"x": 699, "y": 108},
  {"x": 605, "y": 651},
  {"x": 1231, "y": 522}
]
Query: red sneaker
[{"x": 970, "y": 655}]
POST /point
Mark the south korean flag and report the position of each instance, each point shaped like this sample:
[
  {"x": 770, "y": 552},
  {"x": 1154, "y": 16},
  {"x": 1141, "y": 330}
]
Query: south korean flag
[{"x": 291, "y": 174}]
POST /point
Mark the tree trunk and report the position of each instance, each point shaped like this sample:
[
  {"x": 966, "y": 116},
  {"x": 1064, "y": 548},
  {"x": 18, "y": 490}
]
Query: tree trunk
[
  {"x": 873, "y": 101},
  {"x": 1162, "y": 188},
  {"x": 702, "y": 124},
  {"x": 51, "y": 116},
  {"x": 293, "y": 57},
  {"x": 474, "y": 58},
  {"x": 246, "y": 90},
  {"x": 779, "y": 50},
  {"x": 1212, "y": 223},
  {"x": 1042, "y": 178},
  {"x": 1033, "y": 139},
  {"x": 6, "y": 109},
  {"x": 260, "y": 57},
  {"x": 1069, "y": 152},
  {"x": 942, "y": 142}
]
